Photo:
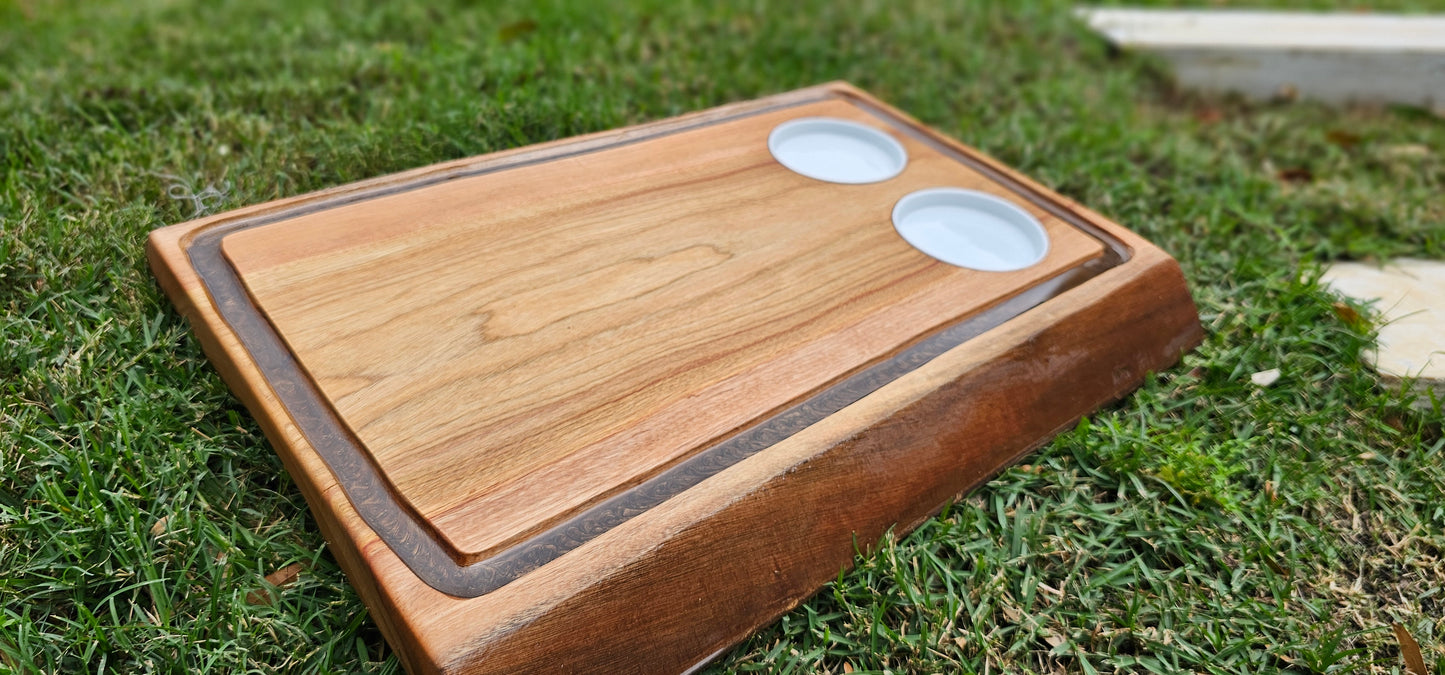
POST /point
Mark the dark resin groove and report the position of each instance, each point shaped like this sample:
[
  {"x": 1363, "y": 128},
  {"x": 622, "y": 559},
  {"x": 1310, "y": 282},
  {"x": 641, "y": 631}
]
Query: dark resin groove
[{"x": 413, "y": 540}]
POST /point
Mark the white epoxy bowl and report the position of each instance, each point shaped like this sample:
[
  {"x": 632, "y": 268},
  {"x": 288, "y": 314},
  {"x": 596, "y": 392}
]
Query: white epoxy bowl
[
  {"x": 970, "y": 229},
  {"x": 836, "y": 150}
]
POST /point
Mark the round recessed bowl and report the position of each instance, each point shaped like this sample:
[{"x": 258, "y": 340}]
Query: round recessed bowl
[
  {"x": 970, "y": 229},
  {"x": 836, "y": 150}
]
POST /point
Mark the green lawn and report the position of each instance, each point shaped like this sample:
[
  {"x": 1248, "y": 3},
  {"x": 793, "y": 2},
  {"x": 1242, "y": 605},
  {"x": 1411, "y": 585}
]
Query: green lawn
[{"x": 1202, "y": 525}]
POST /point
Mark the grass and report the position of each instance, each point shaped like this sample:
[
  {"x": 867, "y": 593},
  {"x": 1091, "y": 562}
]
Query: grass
[{"x": 1202, "y": 525}]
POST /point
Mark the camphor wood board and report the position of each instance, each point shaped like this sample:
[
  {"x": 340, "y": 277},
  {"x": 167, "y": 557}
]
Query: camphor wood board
[{"x": 609, "y": 404}]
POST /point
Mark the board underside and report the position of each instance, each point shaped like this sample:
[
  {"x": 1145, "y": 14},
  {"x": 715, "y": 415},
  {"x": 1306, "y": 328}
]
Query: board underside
[{"x": 501, "y": 362}]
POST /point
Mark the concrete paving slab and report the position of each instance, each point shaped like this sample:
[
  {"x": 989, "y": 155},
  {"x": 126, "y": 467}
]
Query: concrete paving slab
[
  {"x": 1336, "y": 57},
  {"x": 1410, "y": 296}
]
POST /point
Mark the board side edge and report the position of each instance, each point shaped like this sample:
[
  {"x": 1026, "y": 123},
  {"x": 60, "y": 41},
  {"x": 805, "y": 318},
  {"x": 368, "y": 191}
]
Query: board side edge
[
  {"x": 165, "y": 253},
  {"x": 812, "y": 527}
]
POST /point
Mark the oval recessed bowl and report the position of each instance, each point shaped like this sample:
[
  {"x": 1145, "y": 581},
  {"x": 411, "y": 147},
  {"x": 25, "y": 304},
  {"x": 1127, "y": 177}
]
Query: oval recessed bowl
[
  {"x": 970, "y": 229},
  {"x": 836, "y": 150}
]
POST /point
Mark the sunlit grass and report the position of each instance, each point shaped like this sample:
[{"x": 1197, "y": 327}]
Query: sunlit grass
[{"x": 1202, "y": 525}]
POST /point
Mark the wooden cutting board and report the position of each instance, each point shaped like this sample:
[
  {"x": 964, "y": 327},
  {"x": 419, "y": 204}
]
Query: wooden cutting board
[{"x": 610, "y": 403}]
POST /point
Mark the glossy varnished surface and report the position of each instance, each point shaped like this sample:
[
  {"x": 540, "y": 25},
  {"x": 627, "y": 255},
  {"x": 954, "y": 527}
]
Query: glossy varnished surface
[
  {"x": 667, "y": 587},
  {"x": 513, "y": 347}
]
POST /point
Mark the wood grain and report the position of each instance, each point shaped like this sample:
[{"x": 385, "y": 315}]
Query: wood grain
[
  {"x": 511, "y": 335},
  {"x": 1012, "y": 395},
  {"x": 668, "y": 588}
]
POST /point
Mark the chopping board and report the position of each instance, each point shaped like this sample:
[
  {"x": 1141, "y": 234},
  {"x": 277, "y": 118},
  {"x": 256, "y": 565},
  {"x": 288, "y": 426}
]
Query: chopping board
[{"x": 610, "y": 403}]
